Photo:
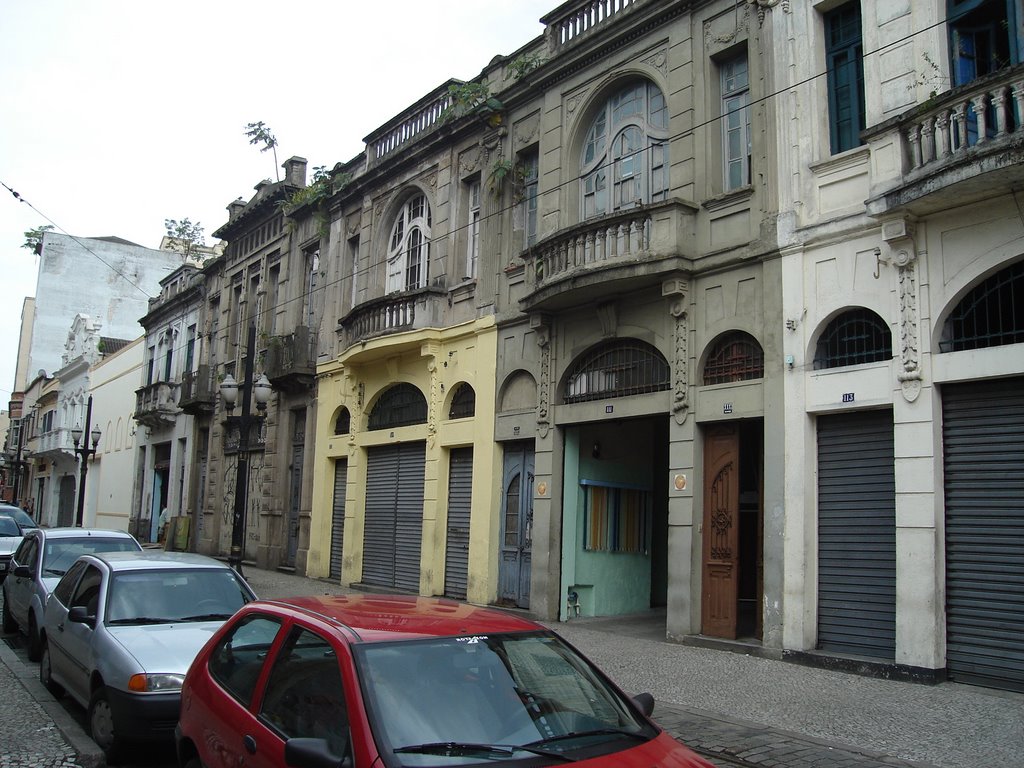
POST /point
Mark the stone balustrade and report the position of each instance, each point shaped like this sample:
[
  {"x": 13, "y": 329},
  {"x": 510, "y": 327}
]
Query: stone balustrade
[
  {"x": 421, "y": 116},
  {"x": 963, "y": 118},
  {"x": 567, "y": 25},
  {"x": 393, "y": 313}
]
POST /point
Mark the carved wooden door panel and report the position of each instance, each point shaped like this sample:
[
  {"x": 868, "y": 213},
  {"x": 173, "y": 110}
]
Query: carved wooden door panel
[{"x": 720, "y": 532}]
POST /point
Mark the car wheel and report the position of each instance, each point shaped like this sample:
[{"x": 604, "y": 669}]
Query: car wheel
[
  {"x": 33, "y": 639},
  {"x": 101, "y": 724},
  {"x": 46, "y": 673},
  {"x": 10, "y": 625}
]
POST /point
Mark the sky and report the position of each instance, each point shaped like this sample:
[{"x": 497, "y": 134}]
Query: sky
[{"x": 117, "y": 115}]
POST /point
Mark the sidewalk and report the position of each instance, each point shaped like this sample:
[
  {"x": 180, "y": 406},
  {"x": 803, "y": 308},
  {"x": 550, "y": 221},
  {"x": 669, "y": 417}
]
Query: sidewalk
[{"x": 736, "y": 709}]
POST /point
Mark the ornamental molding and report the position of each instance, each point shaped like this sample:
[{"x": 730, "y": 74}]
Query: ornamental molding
[
  {"x": 542, "y": 333},
  {"x": 765, "y": 5},
  {"x": 676, "y": 291},
  {"x": 527, "y": 130},
  {"x": 658, "y": 61},
  {"x": 898, "y": 235}
]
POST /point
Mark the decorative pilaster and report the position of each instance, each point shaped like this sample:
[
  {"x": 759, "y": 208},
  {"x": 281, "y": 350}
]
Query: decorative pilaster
[
  {"x": 676, "y": 290},
  {"x": 435, "y": 394},
  {"x": 540, "y": 324},
  {"x": 899, "y": 236}
]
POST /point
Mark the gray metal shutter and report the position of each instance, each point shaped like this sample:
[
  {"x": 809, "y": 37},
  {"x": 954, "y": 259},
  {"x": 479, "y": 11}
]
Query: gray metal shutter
[
  {"x": 857, "y": 535},
  {"x": 338, "y": 518},
  {"x": 460, "y": 497},
  {"x": 409, "y": 516},
  {"x": 379, "y": 528},
  {"x": 983, "y": 450}
]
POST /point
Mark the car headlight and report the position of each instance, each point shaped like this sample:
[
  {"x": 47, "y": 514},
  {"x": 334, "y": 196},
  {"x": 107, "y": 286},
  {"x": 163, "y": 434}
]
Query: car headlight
[{"x": 155, "y": 683}]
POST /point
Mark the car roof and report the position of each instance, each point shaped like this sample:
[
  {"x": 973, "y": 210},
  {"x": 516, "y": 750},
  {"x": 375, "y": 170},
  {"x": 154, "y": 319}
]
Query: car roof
[
  {"x": 153, "y": 559},
  {"x": 23, "y": 518},
  {"x": 78, "y": 533},
  {"x": 383, "y": 618}
]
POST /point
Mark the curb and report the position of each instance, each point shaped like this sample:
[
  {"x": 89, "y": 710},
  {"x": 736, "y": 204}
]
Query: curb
[{"x": 89, "y": 755}]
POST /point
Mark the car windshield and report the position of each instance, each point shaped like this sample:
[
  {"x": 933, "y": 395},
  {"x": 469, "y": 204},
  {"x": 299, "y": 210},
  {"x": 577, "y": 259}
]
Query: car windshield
[
  {"x": 170, "y": 596},
  {"x": 60, "y": 554},
  {"x": 8, "y": 527},
  {"x": 21, "y": 517},
  {"x": 484, "y": 698}
]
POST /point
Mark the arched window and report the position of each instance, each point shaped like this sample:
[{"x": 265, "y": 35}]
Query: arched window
[
  {"x": 409, "y": 246},
  {"x": 991, "y": 315},
  {"x": 856, "y": 336},
  {"x": 735, "y": 356},
  {"x": 400, "y": 406},
  {"x": 343, "y": 424},
  {"x": 617, "y": 369},
  {"x": 625, "y": 153},
  {"x": 463, "y": 402}
]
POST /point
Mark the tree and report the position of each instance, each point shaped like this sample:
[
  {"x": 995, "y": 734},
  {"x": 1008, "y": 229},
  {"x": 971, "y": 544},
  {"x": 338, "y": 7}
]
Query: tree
[
  {"x": 34, "y": 238},
  {"x": 259, "y": 133},
  {"x": 185, "y": 237}
]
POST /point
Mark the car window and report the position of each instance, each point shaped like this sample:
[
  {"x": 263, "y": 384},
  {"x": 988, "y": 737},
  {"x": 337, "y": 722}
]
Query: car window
[
  {"x": 304, "y": 696},
  {"x": 66, "y": 585},
  {"x": 59, "y": 554},
  {"x": 23, "y": 518},
  {"x": 27, "y": 552},
  {"x": 155, "y": 596},
  {"x": 238, "y": 658},
  {"x": 87, "y": 593},
  {"x": 8, "y": 527}
]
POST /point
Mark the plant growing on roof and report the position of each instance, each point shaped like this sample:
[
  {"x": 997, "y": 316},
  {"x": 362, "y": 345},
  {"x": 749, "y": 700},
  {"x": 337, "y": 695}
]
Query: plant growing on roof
[
  {"x": 503, "y": 171},
  {"x": 473, "y": 98},
  {"x": 259, "y": 133},
  {"x": 184, "y": 237},
  {"x": 34, "y": 238},
  {"x": 525, "y": 63},
  {"x": 315, "y": 194}
]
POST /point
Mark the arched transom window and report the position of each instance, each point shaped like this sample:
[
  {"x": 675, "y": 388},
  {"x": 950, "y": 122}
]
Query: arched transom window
[
  {"x": 991, "y": 315},
  {"x": 617, "y": 369},
  {"x": 463, "y": 402},
  {"x": 625, "y": 154},
  {"x": 736, "y": 356},
  {"x": 854, "y": 337},
  {"x": 400, "y": 406},
  {"x": 409, "y": 246}
]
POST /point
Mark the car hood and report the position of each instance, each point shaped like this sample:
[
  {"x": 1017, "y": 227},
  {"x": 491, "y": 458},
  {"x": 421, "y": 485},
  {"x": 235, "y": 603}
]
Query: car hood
[
  {"x": 8, "y": 544},
  {"x": 664, "y": 751},
  {"x": 165, "y": 647}
]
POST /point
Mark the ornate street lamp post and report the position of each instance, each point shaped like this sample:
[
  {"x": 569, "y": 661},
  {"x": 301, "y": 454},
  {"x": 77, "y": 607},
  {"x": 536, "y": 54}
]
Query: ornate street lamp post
[
  {"x": 260, "y": 391},
  {"x": 84, "y": 452}
]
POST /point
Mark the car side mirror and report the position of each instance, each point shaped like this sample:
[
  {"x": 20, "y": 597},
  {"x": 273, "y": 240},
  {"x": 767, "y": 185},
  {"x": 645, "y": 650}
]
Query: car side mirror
[
  {"x": 22, "y": 572},
  {"x": 80, "y": 615},
  {"x": 313, "y": 753},
  {"x": 645, "y": 702}
]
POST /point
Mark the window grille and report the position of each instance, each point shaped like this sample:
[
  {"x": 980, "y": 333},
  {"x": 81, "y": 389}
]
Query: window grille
[
  {"x": 617, "y": 369},
  {"x": 735, "y": 357},
  {"x": 343, "y": 424},
  {"x": 616, "y": 518},
  {"x": 400, "y": 406},
  {"x": 854, "y": 337},
  {"x": 991, "y": 315},
  {"x": 463, "y": 402}
]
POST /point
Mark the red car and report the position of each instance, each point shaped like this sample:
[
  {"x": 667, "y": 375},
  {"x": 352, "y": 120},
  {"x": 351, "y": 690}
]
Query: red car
[{"x": 369, "y": 680}]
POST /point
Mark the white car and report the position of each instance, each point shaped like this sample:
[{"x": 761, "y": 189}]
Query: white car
[
  {"x": 120, "y": 631},
  {"x": 14, "y": 521},
  {"x": 42, "y": 557}
]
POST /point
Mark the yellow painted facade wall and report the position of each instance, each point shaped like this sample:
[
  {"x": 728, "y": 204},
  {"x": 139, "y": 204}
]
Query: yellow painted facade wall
[{"x": 435, "y": 361}]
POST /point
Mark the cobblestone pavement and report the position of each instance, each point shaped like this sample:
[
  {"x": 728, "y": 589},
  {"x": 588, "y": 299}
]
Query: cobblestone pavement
[{"x": 735, "y": 709}]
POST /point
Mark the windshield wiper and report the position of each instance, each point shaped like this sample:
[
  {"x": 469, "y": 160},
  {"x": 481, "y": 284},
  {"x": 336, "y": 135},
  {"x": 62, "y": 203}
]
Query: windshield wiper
[
  {"x": 458, "y": 749},
  {"x": 54, "y": 571},
  {"x": 206, "y": 617},
  {"x": 636, "y": 735},
  {"x": 142, "y": 620}
]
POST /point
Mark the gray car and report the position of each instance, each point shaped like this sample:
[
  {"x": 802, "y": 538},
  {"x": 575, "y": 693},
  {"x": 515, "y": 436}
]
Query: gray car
[
  {"x": 120, "y": 631},
  {"x": 14, "y": 521},
  {"x": 43, "y": 556}
]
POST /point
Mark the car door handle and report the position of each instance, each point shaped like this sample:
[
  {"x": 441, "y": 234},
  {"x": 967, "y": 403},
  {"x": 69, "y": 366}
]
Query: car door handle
[{"x": 249, "y": 743}]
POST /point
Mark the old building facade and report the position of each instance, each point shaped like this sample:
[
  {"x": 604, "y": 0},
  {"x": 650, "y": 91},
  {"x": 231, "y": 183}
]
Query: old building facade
[{"x": 667, "y": 310}]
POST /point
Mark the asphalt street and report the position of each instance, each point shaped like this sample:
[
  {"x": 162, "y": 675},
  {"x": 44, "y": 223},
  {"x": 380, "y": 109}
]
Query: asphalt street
[{"x": 735, "y": 708}]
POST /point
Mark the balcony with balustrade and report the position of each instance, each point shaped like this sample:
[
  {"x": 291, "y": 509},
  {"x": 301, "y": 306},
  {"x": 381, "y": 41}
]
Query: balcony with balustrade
[
  {"x": 955, "y": 148},
  {"x": 197, "y": 394},
  {"x": 290, "y": 363},
  {"x": 601, "y": 258},
  {"x": 54, "y": 443},
  {"x": 156, "y": 404},
  {"x": 394, "y": 313}
]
